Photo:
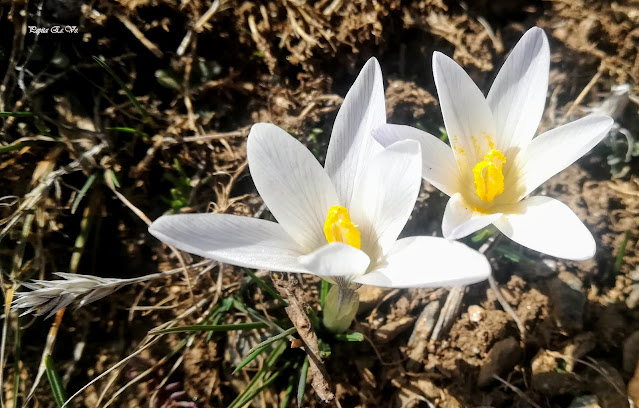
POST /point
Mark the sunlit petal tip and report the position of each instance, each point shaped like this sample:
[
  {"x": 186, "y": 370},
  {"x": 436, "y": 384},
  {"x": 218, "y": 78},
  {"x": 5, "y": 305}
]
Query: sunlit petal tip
[
  {"x": 556, "y": 149},
  {"x": 429, "y": 262},
  {"x": 518, "y": 94},
  {"x": 549, "y": 226},
  {"x": 232, "y": 239},
  {"x": 351, "y": 144}
]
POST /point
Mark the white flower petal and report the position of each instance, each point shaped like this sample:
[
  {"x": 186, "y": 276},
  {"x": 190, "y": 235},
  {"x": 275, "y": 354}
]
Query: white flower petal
[
  {"x": 438, "y": 161},
  {"x": 468, "y": 119},
  {"x": 549, "y": 226},
  {"x": 241, "y": 241},
  {"x": 336, "y": 260},
  {"x": 351, "y": 144},
  {"x": 518, "y": 95},
  {"x": 292, "y": 183},
  {"x": 461, "y": 220},
  {"x": 385, "y": 195},
  {"x": 553, "y": 151},
  {"x": 428, "y": 262}
]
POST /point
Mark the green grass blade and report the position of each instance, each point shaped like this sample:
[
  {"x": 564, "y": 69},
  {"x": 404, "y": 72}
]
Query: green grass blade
[
  {"x": 129, "y": 130},
  {"x": 82, "y": 193},
  {"x": 126, "y": 90},
  {"x": 55, "y": 381},
  {"x": 260, "y": 282},
  {"x": 250, "y": 357},
  {"x": 288, "y": 393},
  {"x": 249, "y": 392},
  {"x": 17, "y": 356},
  {"x": 301, "y": 386},
  {"x": 16, "y": 114},
  {"x": 114, "y": 178},
  {"x": 323, "y": 292},
  {"x": 620, "y": 253},
  {"x": 212, "y": 327},
  {"x": 255, "y": 351}
]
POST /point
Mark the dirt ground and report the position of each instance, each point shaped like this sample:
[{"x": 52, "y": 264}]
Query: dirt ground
[{"x": 89, "y": 164}]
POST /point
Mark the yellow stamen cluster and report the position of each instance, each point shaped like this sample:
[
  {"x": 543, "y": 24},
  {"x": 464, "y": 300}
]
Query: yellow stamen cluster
[
  {"x": 489, "y": 176},
  {"x": 338, "y": 227}
]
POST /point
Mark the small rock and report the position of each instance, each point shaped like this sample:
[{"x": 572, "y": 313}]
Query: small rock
[
  {"x": 633, "y": 297},
  {"x": 550, "y": 382},
  {"x": 634, "y": 274},
  {"x": 568, "y": 301},
  {"x": 501, "y": 358},
  {"x": 631, "y": 352},
  {"x": 476, "y": 313},
  {"x": 389, "y": 331},
  {"x": 585, "y": 401},
  {"x": 607, "y": 388},
  {"x": 418, "y": 340}
]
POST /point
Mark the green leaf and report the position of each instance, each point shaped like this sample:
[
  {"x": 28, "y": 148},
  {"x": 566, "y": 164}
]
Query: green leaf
[
  {"x": 260, "y": 282},
  {"x": 55, "y": 381},
  {"x": 114, "y": 178},
  {"x": 513, "y": 255},
  {"x": 482, "y": 235},
  {"x": 324, "y": 349},
  {"x": 301, "y": 386},
  {"x": 323, "y": 292},
  {"x": 129, "y": 94},
  {"x": 255, "y": 351},
  {"x": 355, "y": 336},
  {"x": 83, "y": 192},
  {"x": 212, "y": 327}
]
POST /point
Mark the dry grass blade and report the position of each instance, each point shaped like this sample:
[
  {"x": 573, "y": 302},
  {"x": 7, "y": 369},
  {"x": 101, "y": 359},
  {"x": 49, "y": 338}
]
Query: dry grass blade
[{"x": 50, "y": 296}]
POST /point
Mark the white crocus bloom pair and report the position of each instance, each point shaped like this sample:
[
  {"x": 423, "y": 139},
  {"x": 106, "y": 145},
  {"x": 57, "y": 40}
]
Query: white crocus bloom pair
[
  {"x": 495, "y": 163},
  {"x": 341, "y": 221}
]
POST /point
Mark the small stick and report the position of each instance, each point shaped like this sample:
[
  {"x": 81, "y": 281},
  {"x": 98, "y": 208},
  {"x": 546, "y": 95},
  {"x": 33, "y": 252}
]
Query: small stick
[
  {"x": 140, "y": 36},
  {"x": 583, "y": 94}
]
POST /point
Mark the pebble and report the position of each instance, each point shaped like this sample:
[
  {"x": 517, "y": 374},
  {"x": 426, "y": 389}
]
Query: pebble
[
  {"x": 631, "y": 352},
  {"x": 634, "y": 274},
  {"x": 633, "y": 297},
  {"x": 568, "y": 301},
  {"x": 476, "y": 313},
  {"x": 504, "y": 355},
  {"x": 585, "y": 401}
]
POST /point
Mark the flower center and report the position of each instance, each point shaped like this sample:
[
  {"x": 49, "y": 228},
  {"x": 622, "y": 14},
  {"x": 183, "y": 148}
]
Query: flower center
[
  {"x": 488, "y": 175},
  {"x": 338, "y": 227}
]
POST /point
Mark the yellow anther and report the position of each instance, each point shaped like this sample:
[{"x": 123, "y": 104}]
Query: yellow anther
[
  {"x": 488, "y": 175},
  {"x": 338, "y": 227}
]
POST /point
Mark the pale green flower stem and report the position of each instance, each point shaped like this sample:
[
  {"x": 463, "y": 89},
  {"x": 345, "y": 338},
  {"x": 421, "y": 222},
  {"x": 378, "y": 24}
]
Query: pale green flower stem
[{"x": 340, "y": 308}]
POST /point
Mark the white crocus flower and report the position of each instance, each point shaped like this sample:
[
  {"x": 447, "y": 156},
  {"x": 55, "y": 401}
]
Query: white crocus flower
[
  {"x": 495, "y": 162},
  {"x": 341, "y": 221}
]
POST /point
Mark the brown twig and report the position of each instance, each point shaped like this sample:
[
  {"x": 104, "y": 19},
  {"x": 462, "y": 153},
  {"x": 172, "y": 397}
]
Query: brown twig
[{"x": 296, "y": 311}]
